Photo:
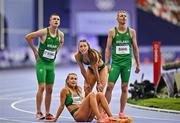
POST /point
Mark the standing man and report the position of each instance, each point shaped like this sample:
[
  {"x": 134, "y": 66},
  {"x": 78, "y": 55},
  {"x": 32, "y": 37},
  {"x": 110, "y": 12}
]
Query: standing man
[
  {"x": 51, "y": 40},
  {"x": 122, "y": 39}
]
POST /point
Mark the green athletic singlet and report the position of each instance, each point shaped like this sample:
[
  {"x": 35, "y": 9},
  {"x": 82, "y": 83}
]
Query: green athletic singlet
[
  {"x": 72, "y": 100},
  {"x": 45, "y": 63},
  {"x": 121, "y": 56}
]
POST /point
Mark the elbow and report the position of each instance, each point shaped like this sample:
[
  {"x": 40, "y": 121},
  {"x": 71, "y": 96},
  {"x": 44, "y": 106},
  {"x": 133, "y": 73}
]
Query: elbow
[
  {"x": 28, "y": 37},
  {"x": 136, "y": 50}
]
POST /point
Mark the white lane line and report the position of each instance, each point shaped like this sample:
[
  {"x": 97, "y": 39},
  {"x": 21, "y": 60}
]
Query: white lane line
[
  {"x": 13, "y": 105},
  {"x": 20, "y": 101},
  {"x": 154, "y": 109},
  {"x": 29, "y": 99}
]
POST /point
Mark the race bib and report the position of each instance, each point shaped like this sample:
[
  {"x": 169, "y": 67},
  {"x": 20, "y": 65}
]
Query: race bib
[
  {"x": 49, "y": 54},
  {"x": 122, "y": 49},
  {"x": 76, "y": 100}
]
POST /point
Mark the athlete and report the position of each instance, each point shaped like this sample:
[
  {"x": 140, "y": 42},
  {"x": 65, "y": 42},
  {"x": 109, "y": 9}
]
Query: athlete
[
  {"x": 51, "y": 40},
  {"x": 96, "y": 71},
  {"x": 122, "y": 39},
  {"x": 81, "y": 109}
]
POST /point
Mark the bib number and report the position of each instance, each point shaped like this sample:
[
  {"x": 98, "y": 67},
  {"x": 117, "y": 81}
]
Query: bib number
[
  {"x": 49, "y": 54},
  {"x": 122, "y": 49},
  {"x": 76, "y": 100}
]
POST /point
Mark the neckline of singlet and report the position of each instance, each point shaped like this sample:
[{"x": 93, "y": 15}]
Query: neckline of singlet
[
  {"x": 89, "y": 62},
  {"x": 49, "y": 34},
  {"x": 116, "y": 31}
]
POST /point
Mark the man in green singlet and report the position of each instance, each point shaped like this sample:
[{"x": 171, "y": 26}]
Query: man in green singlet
[
  {"x": 122, "y": 39},
  {"x": 51, "y": 40}
]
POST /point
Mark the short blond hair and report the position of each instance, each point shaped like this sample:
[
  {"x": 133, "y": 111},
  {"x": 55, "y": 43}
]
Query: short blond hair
[{"x": 121, "y": 11}]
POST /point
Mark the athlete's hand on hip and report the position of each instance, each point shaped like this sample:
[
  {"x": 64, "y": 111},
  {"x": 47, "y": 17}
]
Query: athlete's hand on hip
[{"x": 36, "y": 54}]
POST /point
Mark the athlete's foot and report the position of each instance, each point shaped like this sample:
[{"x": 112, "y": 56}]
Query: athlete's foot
[
  {"x": 103, "y": 120},
  {"x": 112, "y": 119},
  {"x": 103, "y": 115},
  {"x": 121, "y": 115},
  {"x": 39, "y": 116},
  {"x": 49, "y": 117}
]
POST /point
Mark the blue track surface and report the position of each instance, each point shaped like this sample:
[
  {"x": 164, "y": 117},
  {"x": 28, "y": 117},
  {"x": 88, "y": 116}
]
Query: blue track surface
[{"x": 18, "y": 89}]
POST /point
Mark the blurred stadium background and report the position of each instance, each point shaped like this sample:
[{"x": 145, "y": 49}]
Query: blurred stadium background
[{"x": 154, "y": 20}]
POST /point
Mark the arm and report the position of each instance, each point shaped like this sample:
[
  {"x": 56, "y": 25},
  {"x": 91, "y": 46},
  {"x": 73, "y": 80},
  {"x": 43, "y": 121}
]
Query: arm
[
  {"x": 63, "y": 94},
  {"x": 30, "y": 37},
  {"x": 135, "y": 50},
  {"x": 61, "y": 35},
  {"x": 94, "y": 66},
  {"x": 108, "y": 46},
  {"x": 83, "y": 70},
  {"x": 99, "y": 86}
]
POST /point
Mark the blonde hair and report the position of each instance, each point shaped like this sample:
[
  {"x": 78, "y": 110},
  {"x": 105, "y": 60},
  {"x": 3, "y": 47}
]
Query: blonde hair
[
  {"x": 78, "y": 88},
  {"x": 91, "y": 53},
  {"x": 121, "y": 11}
]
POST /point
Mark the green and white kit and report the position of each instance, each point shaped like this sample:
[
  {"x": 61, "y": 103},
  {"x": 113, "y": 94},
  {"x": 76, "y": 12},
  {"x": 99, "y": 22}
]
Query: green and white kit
[
  {"x": 121, "y": 56},
  {"x": 47, "y": 54}
]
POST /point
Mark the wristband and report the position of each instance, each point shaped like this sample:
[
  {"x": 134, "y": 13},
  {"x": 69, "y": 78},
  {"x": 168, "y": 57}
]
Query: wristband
[{"x": 98, "y": 82}]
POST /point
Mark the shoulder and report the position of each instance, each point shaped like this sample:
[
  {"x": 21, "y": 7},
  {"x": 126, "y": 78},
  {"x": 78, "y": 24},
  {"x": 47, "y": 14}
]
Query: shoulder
[
  {"x": 38, "y": 33},
  {"x": 42, "y": 31},
  {"x": 95, "y": 51},
  {"x": 111, "y": 31},
  {"x": 61, "y": 33},
  {"x": 77, "y": 55},
  {"x": 64, "y": 91},
  {"x": 132, "y": 30}
]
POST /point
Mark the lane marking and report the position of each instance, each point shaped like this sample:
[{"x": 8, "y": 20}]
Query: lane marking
[
  {"x": 30, "y": 112},
  {"x": 20, "y": 101},
  {"x": 29, "y": 99},
  {"x": 154, "y": 109}
]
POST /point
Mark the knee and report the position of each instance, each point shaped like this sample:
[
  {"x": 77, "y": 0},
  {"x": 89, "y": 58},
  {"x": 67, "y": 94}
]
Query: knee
[
  {"x": 109, "y": 88},
  {"x": 87, "y": 91},
  {"x": 41, "y": 89},
  {"x": 49, "y": 90},
  {"x": 124, "y": 89},
  {"x": 92, "y": 94},
  {"x": 100, "y": 94}
]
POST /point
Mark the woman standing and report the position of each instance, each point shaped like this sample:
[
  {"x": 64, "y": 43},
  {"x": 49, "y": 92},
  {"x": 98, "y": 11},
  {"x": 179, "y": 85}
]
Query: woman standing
[{"x": 96, "y": 71}]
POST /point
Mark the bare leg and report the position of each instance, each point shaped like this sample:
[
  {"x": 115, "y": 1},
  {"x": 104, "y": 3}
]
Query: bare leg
[
  {"x": 108, "y": 93},
  {"x": 102, "y": 100},
  {"x": 48, "y": 97},
  {"x": 124, "y": 95},
  {"x": 39, "y": 97},
  {"x": 88, "y": 106},
  {"x": 103, "y": 77},
  {"x": 92, "y": 81}
]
